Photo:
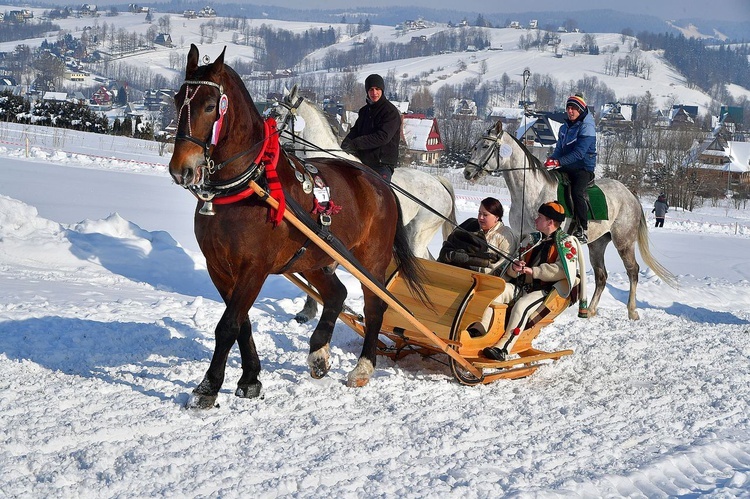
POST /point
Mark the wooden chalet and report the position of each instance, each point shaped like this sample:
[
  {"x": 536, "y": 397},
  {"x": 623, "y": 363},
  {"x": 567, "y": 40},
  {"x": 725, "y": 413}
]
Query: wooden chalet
[
  {"x": 465, "y": 108},
  {"x": 510, "y": 117},
  {"x": 683, "y": 117},
  {"x": 725, "y": 160},
  {"x": 422, "y": 138},
  {"x": 617, "y": 117},
  {"x": 539, "y": 132}
]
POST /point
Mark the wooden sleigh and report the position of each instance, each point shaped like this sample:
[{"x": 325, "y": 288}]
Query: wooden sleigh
[{"x": 459, "y": 298}]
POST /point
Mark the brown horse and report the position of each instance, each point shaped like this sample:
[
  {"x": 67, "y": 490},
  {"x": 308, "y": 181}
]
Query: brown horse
[{"x": 220, "y": 132}]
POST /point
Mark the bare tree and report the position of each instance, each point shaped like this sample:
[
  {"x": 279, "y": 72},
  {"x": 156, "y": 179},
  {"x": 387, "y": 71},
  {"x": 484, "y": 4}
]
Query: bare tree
[{"x": 422, "y": 101}]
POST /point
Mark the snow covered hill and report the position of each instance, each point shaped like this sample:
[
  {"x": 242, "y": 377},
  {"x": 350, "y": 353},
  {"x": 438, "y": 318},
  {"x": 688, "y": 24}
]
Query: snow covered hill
[{"x": 664, "y": 83}]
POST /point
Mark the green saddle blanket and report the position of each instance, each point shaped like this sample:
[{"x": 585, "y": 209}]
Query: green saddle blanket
[{"x": 597, "y": 201}]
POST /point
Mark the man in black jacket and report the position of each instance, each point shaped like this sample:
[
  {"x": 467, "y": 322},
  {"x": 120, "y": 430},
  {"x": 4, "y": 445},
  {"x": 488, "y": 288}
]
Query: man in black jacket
[{"x": 375, "y": 136}]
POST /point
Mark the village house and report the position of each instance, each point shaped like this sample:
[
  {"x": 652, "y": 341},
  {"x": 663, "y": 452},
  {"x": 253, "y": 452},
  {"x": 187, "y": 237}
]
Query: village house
[
  {"x": 88, "y": 9},
  {"x": 617, "y": 117},
  {"x": 103, "y": 97},
  {"x": 55, "y": 96},
  {"x": 422, "y": 139},
  {"x": 464, "y": 108},
  {"x": 724, "y": 161},
  {"x": 164, "y": 39},
  {"x": 683, "y": 117},
  {"x": 510, "y": 117},
  {"x": 539, "y": 132}
]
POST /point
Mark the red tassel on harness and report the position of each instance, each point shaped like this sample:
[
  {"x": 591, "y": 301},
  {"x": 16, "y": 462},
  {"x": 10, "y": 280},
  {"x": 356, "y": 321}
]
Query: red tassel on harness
[
  {"x": 329, "y": 208},
  {"x": 270, "y": 158}
]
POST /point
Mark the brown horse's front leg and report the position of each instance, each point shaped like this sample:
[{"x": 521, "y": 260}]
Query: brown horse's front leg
[
  {"x": 248, "y": 386},
  {"x": 204, "y": 395},
  {"x": 374, "y": 310}
]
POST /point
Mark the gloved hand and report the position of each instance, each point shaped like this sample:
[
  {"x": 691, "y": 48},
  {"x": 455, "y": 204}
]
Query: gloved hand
[
  {"x": 459, "y": 257},
  {"x": 348, "y": 147},
  {"x": 552, "y": 163}
]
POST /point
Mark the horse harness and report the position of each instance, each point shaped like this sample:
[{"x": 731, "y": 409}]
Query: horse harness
[
  {"x": 237, "y": 188},
  {"x": 234, "y": 189}
]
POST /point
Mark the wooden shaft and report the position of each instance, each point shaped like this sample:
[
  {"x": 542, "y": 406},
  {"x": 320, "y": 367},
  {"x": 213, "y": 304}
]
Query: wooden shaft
[{"x": 368, "y": 283}]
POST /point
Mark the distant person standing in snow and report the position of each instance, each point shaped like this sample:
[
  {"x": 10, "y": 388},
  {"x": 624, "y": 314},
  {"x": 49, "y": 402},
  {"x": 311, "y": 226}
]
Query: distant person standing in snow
[{"x": 661, "y": 208}]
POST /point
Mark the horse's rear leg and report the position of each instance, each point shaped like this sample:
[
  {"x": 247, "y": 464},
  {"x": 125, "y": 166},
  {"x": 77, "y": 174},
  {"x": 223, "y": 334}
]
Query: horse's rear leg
[
  {"x": 308, "y": 312},
  {"x": 627, "y": 253},
  {"x": 333, "y": 293},
  {"x": 374, "y": 310},
  {"x": 596, "y": 257}
]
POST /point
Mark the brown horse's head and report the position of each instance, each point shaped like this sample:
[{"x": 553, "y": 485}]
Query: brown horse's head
[{"x": 198, "y": 109}]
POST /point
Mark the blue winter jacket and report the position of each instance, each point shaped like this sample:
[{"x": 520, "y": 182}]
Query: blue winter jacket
[{"x": 576, "y": 145}]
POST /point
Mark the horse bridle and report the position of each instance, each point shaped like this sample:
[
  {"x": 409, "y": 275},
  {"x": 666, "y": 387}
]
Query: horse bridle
[
  {"x": 288, "y": 123},
  {"x": 210, "y": 140},
  {"x": 208, "y": 189},
  {"x": 495, "y": 151}
]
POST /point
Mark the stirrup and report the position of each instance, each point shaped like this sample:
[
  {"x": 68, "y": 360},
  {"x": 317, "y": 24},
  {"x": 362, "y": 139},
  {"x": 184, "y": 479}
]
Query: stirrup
[{"x": 581, "y": 235}]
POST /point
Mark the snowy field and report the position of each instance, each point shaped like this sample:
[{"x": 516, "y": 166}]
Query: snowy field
[{"x": 106, "y": 325}]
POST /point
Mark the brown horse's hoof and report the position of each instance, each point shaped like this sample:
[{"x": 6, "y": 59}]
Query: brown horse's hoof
[
  {"x": 249, "y": 391},
  {"x": 203, "y": 396},
  {"x": 361, "y": 374},
  {"x": 301, "y": 319},
  {"x": 197, "y": 401},
  {"x": 318, "y": 361},
  {"x": 357, "y": 382}
]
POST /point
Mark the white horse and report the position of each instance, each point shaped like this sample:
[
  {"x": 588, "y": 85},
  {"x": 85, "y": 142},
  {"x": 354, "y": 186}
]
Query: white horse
[
  {"x": 531, "y": 184},
  {"x": 306, "y": 128}
]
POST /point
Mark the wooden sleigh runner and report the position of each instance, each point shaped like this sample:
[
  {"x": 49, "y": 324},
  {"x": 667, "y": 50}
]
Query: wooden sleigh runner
[{"x": 459, "y": 298}]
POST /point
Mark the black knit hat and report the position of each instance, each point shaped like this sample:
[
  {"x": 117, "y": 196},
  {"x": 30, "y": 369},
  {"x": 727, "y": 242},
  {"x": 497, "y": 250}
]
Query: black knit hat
[
  {"x": 374, "y": 80},
  {"x": 553, "y": 210}
]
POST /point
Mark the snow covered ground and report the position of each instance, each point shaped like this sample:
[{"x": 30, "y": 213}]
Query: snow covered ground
[{"x": 106, "y": 325}]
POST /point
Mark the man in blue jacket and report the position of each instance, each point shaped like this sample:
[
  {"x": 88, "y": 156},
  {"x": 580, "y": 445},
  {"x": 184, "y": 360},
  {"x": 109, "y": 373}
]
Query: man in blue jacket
[
  {"x": 375, "y": 136},
  {"x": 575, "y": 155}
]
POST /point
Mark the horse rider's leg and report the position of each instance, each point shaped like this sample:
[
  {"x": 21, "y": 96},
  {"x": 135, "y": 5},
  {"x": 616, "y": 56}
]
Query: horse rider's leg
[
  {"x": 333, "y": 293},
  {"x": 596, "y": 257},
  {"x": 626, "y": 250},
  {"x": 580, "y": 180},
  {"x": 374, "y": 309}
]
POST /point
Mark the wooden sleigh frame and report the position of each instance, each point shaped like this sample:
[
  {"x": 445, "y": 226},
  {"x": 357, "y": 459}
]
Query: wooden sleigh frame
[{"x": 459, "y": 298}]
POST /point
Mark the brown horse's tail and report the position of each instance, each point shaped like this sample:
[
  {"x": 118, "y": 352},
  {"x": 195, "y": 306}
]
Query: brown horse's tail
[
  {"x": 407, "y": 263},
  {"x": 643, "y": 246}
]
